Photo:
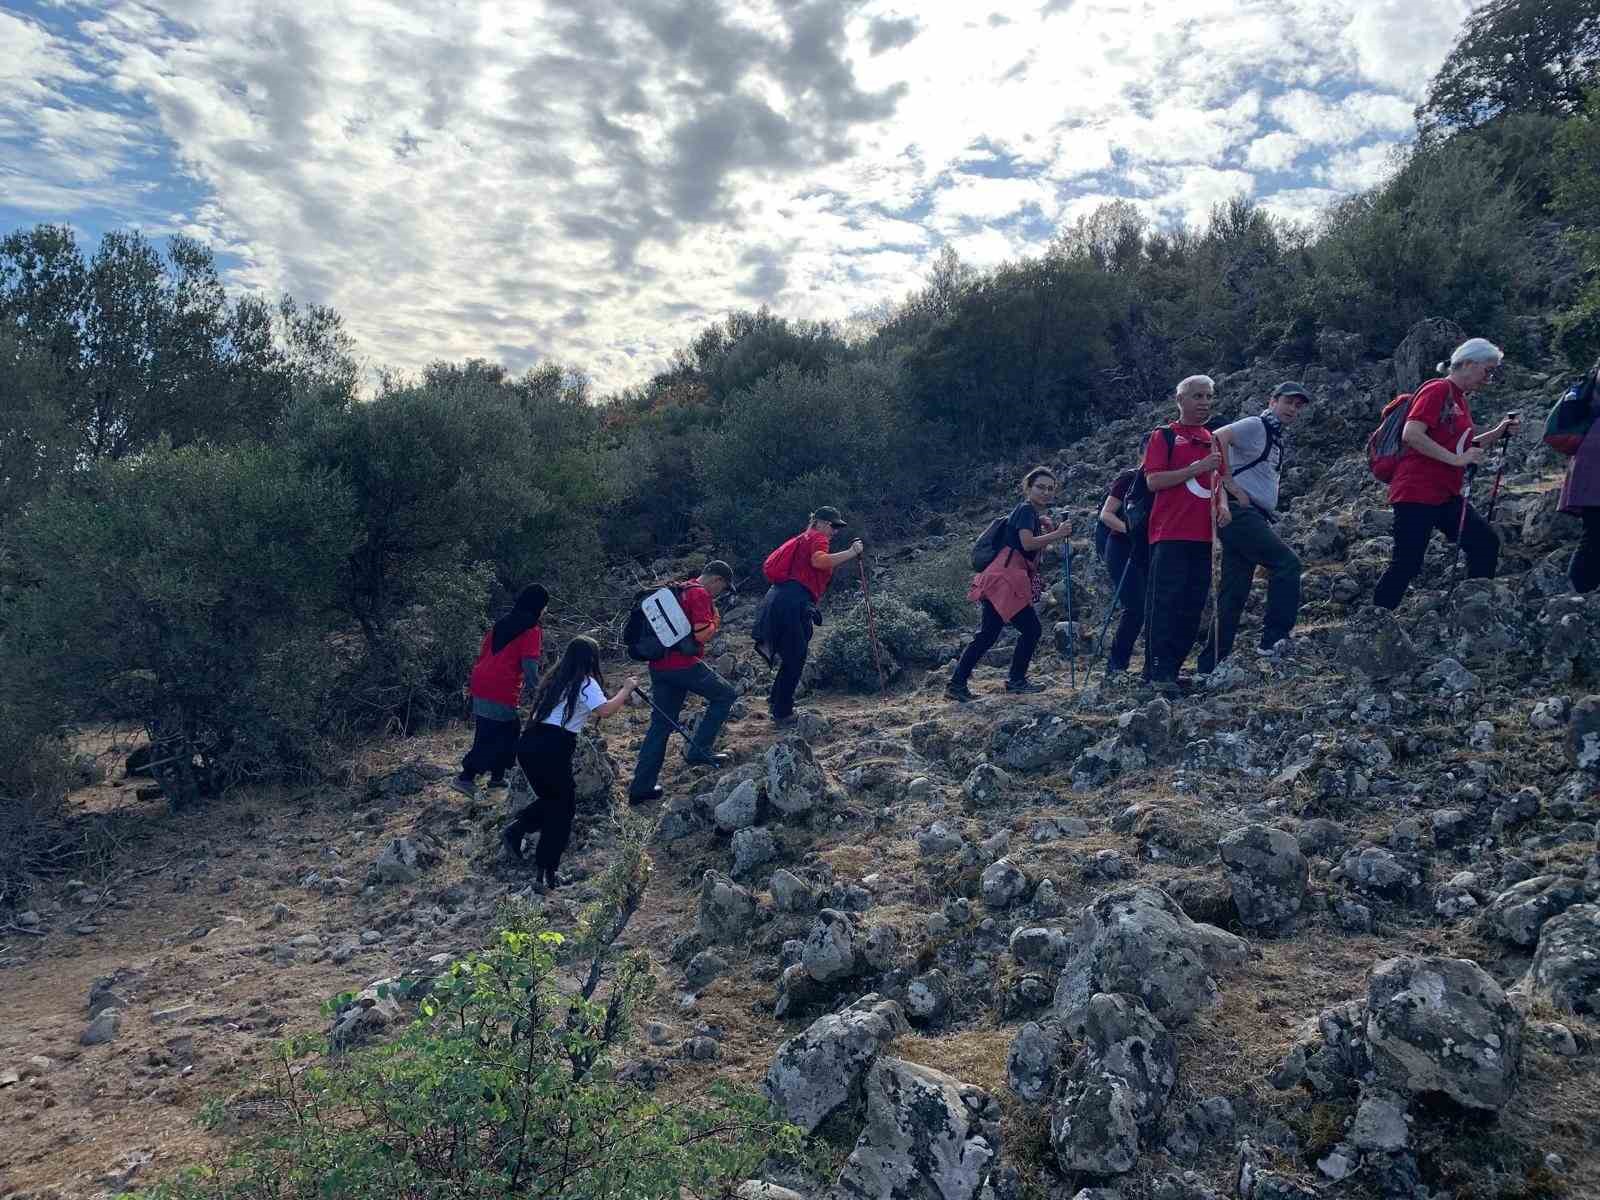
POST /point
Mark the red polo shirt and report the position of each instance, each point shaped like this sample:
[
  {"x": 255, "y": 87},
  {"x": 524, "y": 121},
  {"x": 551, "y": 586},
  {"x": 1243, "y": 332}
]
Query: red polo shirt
[
  {"x": 1418, "y": 479},
  {"x": 1181, "y": 513}
]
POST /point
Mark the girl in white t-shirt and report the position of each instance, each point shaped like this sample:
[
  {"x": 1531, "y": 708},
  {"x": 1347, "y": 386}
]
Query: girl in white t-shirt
[{"x": 574, "y": 692}]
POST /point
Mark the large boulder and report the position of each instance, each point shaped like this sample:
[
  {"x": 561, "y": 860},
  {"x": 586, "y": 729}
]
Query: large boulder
[
  {"x": 1137, "y": 940},
  {"x": 727, "y": 911},
  {"x": 1518, "y": 913},
  {"x": 1443, "y": 1025},
  {"x": 795, "y": 783},
  {"x": 1426, "y": 344},
  {"x": 1267, "y": 874},
  {"x": 816, "y": 1071},
  {"x": 1566, "y": 966},
  {"x": 1034, "y": 1061},
  {"x": 1038, "y": 740},
  {"x": 924, "y": 1137},
  {"x": 1119, "y": 1036}
]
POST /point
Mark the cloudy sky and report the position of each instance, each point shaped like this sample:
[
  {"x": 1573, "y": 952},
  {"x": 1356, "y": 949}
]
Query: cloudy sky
[{"x": 595, "y": 181}]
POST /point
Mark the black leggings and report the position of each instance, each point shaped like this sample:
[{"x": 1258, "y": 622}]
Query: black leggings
[
  {"x": 1413, "y": 527},
  {"x": 1026, "y": 623},
  {"x": 1584, "y": 568},
  {"x": 545, "y": 754},
  {"x": 494, "y": 748}
]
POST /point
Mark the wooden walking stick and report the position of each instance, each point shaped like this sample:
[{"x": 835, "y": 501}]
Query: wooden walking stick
[{"x": 872, "y": 625}]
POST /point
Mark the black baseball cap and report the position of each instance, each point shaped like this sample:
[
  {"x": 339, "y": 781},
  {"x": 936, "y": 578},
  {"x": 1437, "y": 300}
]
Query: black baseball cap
[
  {"x": 1292, "y": 388},
  {"x": 722, "y": 571},
  {"x": 831, "y": 515}
]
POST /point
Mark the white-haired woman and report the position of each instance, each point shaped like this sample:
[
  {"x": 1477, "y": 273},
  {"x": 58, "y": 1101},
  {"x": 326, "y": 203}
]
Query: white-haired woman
[{"x": 1426, "y": 492}]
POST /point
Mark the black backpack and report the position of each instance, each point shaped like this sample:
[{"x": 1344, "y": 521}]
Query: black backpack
[
  {"x": 1140, "y": 501},
  {"x": 989, "y": 544},
  {"x": 1272, "y": 440},
  {"x": 640, "y": 639}
]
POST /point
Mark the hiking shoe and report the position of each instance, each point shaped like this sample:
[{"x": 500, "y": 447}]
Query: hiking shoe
[
  {"x": 959, "y": 692},
  {"x": 708, "y": 760},
  {"x": 1023, "y": 687},
  {"x": 466, "y": 785},
  {"x": 513, "y": 844},
  {"x": 649, "y": 797}
]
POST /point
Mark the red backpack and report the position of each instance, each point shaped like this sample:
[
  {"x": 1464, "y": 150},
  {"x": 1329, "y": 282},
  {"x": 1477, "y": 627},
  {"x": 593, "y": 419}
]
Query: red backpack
[
  {"x": 779, "y": 567},
  {"x": 1384, "y": 446}
]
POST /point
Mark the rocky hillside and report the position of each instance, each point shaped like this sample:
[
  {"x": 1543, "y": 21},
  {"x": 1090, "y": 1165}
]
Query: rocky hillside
[{"x": 1330, "y": 926}]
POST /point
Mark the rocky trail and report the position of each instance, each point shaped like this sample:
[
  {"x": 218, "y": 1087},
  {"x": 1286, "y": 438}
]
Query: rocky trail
[{"x": 1329, "y": 926}]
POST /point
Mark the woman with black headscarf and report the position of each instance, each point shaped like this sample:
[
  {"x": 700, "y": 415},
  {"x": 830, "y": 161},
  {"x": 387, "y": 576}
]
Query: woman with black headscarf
[{"x": 507, "y": 660}]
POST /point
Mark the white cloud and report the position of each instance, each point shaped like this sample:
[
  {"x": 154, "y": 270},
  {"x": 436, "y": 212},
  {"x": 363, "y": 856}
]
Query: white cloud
[{"x": 596, "y": 181}]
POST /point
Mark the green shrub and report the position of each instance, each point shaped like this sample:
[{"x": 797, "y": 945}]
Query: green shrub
[
  {"x": 506, "y": 1085},
  {"x": 938, "y": 584},
  {"x": 842, "y": 657},
  {"x": 185, "y": 591}
]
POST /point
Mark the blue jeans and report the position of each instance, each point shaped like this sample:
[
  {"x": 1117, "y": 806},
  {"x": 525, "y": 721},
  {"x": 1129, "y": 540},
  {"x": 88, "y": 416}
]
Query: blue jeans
[{"x": 668, "y": 691}]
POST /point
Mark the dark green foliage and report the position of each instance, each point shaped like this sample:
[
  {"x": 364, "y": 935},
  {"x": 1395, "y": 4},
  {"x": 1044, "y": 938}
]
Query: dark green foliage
[
  {"x": 506, "y": 1085},
  {"x": 1577, "y": 166},
  {"x": 1515, "y": 56},
  {"x": 938, "y": 586},
  {"x": 841, "y": 656},
  {"x": 184, "y": 591}
]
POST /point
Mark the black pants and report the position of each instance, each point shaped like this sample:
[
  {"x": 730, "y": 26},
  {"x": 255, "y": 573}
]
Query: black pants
[
  {"x": 545, "y": 755},
  {"x": 494, "y": 748},
  {"x": 1414, "y": 524},
  {"x": 1180, "y": 582},
  {"x": 1121, "y": 557},
  {"x": 1248, "y": 541},
  {"x": 668, "y": 691},
  {"x": 1026, "y": 623},
  {"x": 1584, "y": 569},
  {"x": 788, "y": 633}
]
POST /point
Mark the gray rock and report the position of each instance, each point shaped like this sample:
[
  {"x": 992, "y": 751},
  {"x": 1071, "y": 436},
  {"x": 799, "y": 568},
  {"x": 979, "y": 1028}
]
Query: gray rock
[
  {"x": 1583, "y": 735},
  {"x": 703, "y": 968},
  {"x": 1039, "y": 742},
  {"x": 922, "y": 1138},
  {"x": 1093, "y": 1127},
  {"x": 1448, "y": 678},
  {"x": 102, "y": 1029},
  {"x": 938, "y": 840},
  {"x": 1381, "y": 872},
  {"x": 753, "y": 848},
  {"x": 1374, "y": 643},
  {"x": 1002, "y": 884},
  {"x": 814, "y": 1072},
  {"x": 1267, "y": 874},
  {"x": 372, "y": 1010},
  {"x": 830, "y": 954},
  {"x": 928, "y": 997},
  {"x": 1380, "y": 1123},
  {"x": 1566, "y": 966},
  {"x": 755, "y": 1189},
  {"x": 400, "y": 862},
  {"x": 1518, "y": 913},
  {"x": 795, "y": 783},
  {"x": 986, "y": 785},
  {"x": 1200, "y": 1127},
  {"x": 593, "y": 772},
  {"x": 1038, "y": 946},
  {"x": 1120, "y": 1036},
  {"x": 738, "y": 811},
  {"x": 727, "y": 911},
  {"x": 1137, "y": 940},
  {"x": 880, "y": 949},
  {"x": 1549, "y": 714},
  {"x": 1444, "y": 1025},
  {"x": 790, "y": 893},
  {"x": 1034, "y": 1061}
]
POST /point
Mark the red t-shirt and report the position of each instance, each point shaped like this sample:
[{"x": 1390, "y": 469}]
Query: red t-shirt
[
  {"x": 702, "y": 613},
  {"x": 1182, "y": 513},
  {"x": 796, "y": 555},
  {"x": 498, "y": 677},
  {"x": 1418, "y": 479}
]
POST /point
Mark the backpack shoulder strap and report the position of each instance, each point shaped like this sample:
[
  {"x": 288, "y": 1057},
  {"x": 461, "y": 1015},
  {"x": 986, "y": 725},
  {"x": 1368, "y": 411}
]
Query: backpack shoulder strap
[{"x": 1272, "y": 440}]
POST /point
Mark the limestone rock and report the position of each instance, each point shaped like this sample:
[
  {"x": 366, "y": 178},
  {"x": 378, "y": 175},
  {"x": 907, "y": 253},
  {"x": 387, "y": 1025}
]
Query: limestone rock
[
  {"x": 1267, "y": 873},
  {"x": 831, "y": 951},
  {"x": 1120, "y": 1036},
  {"x": 923, "y": 1138},
  {"x": 102, "y": 1029},
  {"x": 1034, "y": 1061},
  {"x": 1583, "y": 734},
  {"x": 738, "y": 811},
  {"x": 1518, "y": 913},
  {"x": 795, "y": 783},
  {"x": 593, "y": 771},
  {"x": 727, "y": 911},
  {"x": 790, "y": 893},
  {"x": 400, "y": 862},
  {"x": 1002, "y": 884},
  {"x": 1036, "y": 741},
  {"x": 1444, "y": 1025},
  {"x": 928, "y": 997},
  {"x": 1566, "y": 966},
  {"x": 753, "y": 848},
  {"x": 986, "y": 785},
  {"x": 815, "y": 1072}
]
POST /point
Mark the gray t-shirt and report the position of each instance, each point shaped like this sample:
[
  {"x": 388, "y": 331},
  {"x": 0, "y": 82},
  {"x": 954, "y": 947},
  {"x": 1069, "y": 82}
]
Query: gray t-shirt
[{"x": 1248, "y": 438}]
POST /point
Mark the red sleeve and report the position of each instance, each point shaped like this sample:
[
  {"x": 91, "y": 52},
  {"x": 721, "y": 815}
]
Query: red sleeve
[
  {"x": 816, "y": 540},
  {"x": 697, "y": 606},
  {"x": 1427, "y": 404}
]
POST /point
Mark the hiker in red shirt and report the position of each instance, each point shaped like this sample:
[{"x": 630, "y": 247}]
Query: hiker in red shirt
[
  {"x": 508, "y": 662},
  {"x": 676, "y": 675},
  {"x": 1426, "y": 491},
  {"x": 1180, "y": 467},
  {"x": 799, "y": 571}
]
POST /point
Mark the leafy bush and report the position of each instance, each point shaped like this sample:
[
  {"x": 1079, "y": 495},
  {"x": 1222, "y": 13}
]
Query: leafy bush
[
  {"x": 185, "y": 591},
  {"x": 506, "y": 1085},
  {"x": 842, "y": 656},
  {"x": 938, "y": 583}
]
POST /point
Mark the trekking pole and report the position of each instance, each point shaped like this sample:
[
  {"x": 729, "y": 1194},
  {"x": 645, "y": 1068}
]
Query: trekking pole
[
  {"x": 1461, "y": 525},
  {"x": 1216, "y": 562},
  {"x": 662, "y": 714},
  {"x": 872, "y": 625},
  {"x": 1494, "y": 492},
  {"x": 1100, "y": 642},
  {"x": 1072, "y": 627}
]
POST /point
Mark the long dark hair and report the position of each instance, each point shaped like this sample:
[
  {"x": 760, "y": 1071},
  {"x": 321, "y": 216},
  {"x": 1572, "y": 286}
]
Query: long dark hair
[
  {"x": 523, "y": 617},
  {"x": 580, "y": 662}
]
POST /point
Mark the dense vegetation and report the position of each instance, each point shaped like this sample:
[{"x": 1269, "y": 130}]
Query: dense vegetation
[{"x": 205, "y": 532}]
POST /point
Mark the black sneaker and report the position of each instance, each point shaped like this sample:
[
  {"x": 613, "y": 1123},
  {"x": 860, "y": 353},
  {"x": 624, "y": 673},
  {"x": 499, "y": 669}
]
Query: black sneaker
[
  {"x": 958, "y": 692},
  {"x": 1023, "y": 687},
  {"x": 649, "y": 797}
]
